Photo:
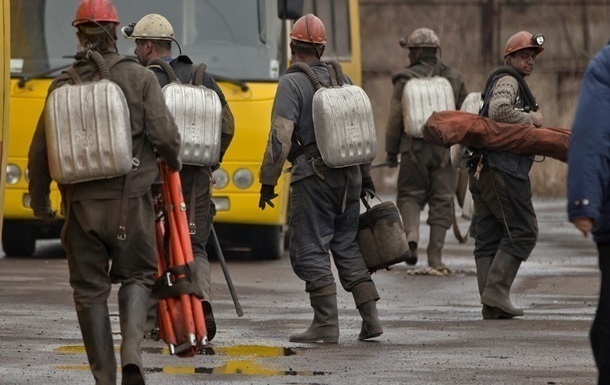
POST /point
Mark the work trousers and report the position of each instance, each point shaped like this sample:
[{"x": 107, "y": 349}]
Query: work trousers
[
  {"x": 97, "y": 258},
  {"x": 324, "y": 217},
  {"x": 198, "y": 180},
  {"x": 504, "y": 214},
  {"x": 600, "y": 329},
  {"x": 426, "y": 176}
]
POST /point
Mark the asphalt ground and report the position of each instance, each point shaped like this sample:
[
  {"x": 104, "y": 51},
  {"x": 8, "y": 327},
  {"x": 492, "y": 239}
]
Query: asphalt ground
[{"x": 434, "y": 333}]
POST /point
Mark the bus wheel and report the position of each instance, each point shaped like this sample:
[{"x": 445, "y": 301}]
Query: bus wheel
[
  {"x": 18, "y": 240},
  {"x": 267, "y": 242}
]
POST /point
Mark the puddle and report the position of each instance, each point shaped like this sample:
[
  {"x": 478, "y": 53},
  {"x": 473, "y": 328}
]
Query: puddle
[{"x": 246, "y": 365}]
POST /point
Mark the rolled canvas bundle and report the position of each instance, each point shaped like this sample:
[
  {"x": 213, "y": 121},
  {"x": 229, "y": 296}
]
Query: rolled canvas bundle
[{"x": 447, "y": 128}]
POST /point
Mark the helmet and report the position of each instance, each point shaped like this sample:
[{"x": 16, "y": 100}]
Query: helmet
[
  {"x": 422, "y": 37},
  {"x": 100, "y": 11},
  {"x": 309, "y": 29},
  {"x": 523, "y": 40},
  {"x": 152, "y": 26}
]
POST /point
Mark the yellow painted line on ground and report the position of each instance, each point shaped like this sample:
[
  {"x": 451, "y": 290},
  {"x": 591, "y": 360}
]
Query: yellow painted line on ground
[{"x": 231, "y": 351}]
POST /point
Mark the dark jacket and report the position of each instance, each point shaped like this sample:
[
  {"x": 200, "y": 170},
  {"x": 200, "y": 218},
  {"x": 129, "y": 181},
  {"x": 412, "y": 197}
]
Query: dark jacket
[
  {"x": 151, "y": 125},
  {"x": 292, "y": 127},
  {"x": 589, "y": 151}
]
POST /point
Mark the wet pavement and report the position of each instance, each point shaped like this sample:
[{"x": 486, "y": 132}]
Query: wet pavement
[{"x": 434, "y": 333}]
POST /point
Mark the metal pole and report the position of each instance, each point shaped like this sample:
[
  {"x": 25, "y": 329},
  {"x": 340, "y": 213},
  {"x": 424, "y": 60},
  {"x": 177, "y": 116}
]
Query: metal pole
[{"x": 225, "y": 270}]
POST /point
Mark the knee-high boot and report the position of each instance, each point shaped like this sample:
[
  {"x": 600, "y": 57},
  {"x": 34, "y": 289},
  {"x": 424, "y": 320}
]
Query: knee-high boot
[
  {"x": 95, "y": 327},
  {"x": 502, "y": 273},
  {"x": 204, "y": 283},
  {"x": 435, "y": 247},
  {"x": 410, "y": 213},
  {"x": 325, "y": 324},
  {"x": 133, "y": 309},
  {"x": 365, "y": 297},
  {"x": 483, "y": 265}
]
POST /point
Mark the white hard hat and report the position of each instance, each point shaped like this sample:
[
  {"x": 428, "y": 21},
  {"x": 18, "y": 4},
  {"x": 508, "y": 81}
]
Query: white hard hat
[{"x": 152, "y": 26}]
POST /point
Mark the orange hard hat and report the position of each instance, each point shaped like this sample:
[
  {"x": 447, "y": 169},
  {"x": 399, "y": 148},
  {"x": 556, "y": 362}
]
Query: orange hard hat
[
  {"x": 100, "y": 11},
  {"x": 309, "y": 29},
  {"x": 523, "y": 40}
]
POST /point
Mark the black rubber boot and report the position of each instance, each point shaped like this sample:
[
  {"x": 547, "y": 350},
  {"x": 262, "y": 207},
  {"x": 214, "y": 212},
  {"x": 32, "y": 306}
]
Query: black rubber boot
[
  {"x": 133, "y": 309},
  {"x": 95, "y": 328},
  {"x": 502, "y": 273},
  {"x": 412, "y": 260},
  {"x": 325, "y": 325},
  {"x": 483, "y": 265},
  {"x": 210, "y": 322},
  {"x": 365, "y": 297},
  {"x": 435, "y": 248},
  {"x": 410, "y": 212}
]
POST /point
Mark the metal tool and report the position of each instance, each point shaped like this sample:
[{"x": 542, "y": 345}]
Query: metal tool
[{"x": 225, "y": 270}]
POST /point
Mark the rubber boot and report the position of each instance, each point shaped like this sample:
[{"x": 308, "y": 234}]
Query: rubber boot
[
  {"x": 204, "y": 283},
  {"x": 365, "y": 297},
  {"x": 151, "y": 330},
  {"x": 502, "y": 273},
  {"x": 325, "y": 324},
  {"x": 133, "y": 310},
  {"x": 210, "y": 322},
  {"x": 435, "y": 248},
  {"x": 410, "y": 213},
  {"x": 95, "y": 328},
  {"x": 483, "y": 264}
]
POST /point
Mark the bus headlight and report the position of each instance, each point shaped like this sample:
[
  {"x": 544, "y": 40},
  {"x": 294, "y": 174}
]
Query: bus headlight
[
  {"x": 13, "y": 173},
  {"x": 221, "y": 179},
  {"x": 243, "y": 178}
]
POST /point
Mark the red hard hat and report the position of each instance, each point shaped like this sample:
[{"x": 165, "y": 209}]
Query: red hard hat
[
  {"x": 309, "y": 29},
  {"x": 101, "y": 11},
  {"x": 522, "y": 40}
]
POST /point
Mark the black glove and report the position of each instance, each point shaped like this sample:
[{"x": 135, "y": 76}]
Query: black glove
[
  {"x": 368, "y": 187},
  {"x": 46, "y": 215},
  {"x": 392, "y": 159},
  {"x": 267, "y": 194}
]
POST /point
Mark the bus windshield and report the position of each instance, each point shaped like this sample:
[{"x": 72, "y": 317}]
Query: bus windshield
[{"x": 238, "y": 42}]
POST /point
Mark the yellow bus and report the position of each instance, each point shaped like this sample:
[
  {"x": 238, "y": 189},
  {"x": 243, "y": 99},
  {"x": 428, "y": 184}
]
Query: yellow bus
[
  {"x": 244, "y": 44},
  {"x": 5, "y": 81}
]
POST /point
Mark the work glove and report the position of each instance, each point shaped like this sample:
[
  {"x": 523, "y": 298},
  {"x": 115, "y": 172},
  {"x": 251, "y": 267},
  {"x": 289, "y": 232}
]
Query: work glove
[
  {"x": 46, "y": 214},
  {"x": 392, "y": 160},
  {"x": 267, "y": 194},
  {"x": 368, "y": 187}
]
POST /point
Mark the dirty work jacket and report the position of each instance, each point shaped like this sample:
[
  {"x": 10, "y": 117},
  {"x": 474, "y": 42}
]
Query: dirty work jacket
[
  {"x": 292, "y": 122},
  {"x": 151, "y": 125}
]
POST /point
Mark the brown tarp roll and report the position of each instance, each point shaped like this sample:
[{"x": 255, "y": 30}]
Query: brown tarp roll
[{"x": 447, "y": 128}]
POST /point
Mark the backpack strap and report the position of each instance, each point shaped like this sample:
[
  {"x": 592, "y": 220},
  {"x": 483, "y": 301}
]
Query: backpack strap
[
  {"x": 302, "y": 67},
  {"x": 102, "y": 67},
  {"x": 337, "y": 77},
  {"x": 407, "y": 74},
  {"x": 169, "y": 71},
  {"x": 506, "y": 70},
  {"x": 198, "y": 74}
]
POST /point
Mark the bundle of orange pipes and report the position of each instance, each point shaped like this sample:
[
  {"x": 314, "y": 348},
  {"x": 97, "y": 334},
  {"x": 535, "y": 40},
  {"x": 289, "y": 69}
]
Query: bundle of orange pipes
[{"x": 180, "y": 317}]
